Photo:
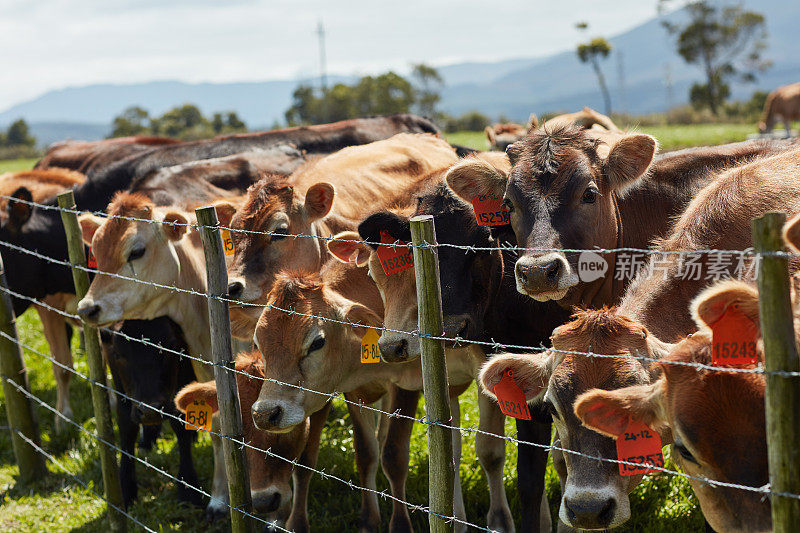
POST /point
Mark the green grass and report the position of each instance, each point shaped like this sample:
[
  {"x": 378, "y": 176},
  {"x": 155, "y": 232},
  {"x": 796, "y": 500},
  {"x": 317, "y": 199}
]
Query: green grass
[
  {"x": 59, "y": 503},
  {"x": 669, "y": 137},
  {"x": 13, "y": 165}
]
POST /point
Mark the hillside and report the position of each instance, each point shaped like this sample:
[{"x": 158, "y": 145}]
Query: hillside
[{"x": 513, "y": 87}]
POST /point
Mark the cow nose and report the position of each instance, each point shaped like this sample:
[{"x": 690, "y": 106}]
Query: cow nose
[
  {"x": 457, "y": 326},
  {"x": 88, "y": 310},
  {"x": 393, "y": 350},
  {"x": 235, "y": 289},
  {"x": 594, "y": 513},
  {"x": 266, "y": 501},
  {"x": 145, "y": 415},
  {"x": 540, "y": 274},
  {"x": 267, "y": 416}
]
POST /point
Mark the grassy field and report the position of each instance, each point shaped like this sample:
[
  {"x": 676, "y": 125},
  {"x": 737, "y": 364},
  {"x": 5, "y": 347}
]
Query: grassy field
[{"x": 59, "y": 503}]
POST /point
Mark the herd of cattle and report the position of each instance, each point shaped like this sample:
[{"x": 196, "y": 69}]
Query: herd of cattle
[{"x": 347, "y": 189}]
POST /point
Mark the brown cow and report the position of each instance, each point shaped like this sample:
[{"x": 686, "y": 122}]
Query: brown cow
[
  {"x": 36, "y": 186},
  {"x": 653, "y": 313},
  {"x": 715, "y": 419},
  {"x": 782, "y": 104},
  {"x": 303, "y": 342},
  {"x": 571, "y": 190},
  {"x": 584, "y": 119},
  {"x": 84, "y": 156},
  {"x": 362, "y": 177},
  {"x": 269, "y": 475},
  {"x": 501, "y": 135}
]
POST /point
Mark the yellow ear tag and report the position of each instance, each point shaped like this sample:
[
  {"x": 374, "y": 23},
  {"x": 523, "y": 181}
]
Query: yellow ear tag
[
  {"x": 227, "y": 242},
  {"x": 198, "y": 416},
  {"x": 370, "y": 353}
]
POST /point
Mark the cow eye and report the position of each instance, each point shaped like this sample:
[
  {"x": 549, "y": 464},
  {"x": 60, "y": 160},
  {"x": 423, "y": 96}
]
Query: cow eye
[
  {"x": 684, "y": 451},
  {"x": 279, "y": 233},
  {"x": 508, "y": 205},
  {"x": 136, "y": 253},
  {"x": 318, "y": 343},
  {"x": 590, "y": 195}
]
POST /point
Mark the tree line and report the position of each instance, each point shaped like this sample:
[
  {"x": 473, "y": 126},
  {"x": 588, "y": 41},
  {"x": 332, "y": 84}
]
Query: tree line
[{"x": 184, "y": 122}]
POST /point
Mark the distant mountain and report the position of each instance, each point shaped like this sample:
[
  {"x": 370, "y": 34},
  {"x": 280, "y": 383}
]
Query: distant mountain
[{"x": 643, "y": 55}]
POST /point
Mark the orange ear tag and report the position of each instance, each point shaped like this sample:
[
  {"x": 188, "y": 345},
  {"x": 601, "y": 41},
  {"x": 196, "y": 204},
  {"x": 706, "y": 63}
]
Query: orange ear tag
[
  {"x": 91, "y": 262},
  {"x": 510, "y": 397},
  {"x": 639, "y": 444},
  {"x": 734, "y": 339},
  {"x": 490, "y": 211},
  {"x": 227, "y": 242},
  {"x": 394, "y": 258},
  {"x": 370, "y": 353},
  {"x": 198, "y": 416}
]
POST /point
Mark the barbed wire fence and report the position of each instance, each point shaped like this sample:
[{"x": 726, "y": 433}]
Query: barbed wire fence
[{"x": 29, "y": 452}]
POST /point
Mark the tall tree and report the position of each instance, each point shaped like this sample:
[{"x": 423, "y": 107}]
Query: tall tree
[
  {"x": 592, "y": 52},
  {"x": 18, "y": 134},
  {"x": 428, "y": 85},
  {"x": 133, "y": 121},
  {"x": 725, "y": 41}
]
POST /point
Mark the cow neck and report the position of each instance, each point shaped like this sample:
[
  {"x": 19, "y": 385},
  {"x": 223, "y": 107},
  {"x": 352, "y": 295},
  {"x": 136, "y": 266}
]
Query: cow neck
[
  {"x": 190, "y": 311},
  {"x": 607, "y": 289}
]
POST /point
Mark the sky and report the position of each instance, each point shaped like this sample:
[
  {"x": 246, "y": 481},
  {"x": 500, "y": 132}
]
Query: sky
[{"x": 52, "y": 44}]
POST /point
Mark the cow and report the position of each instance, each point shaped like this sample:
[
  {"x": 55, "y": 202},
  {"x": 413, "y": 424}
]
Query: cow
[
  {"x": 310, "y": 334},
  {"x": 86, "y": 156},
  {"x": 36, "y": 186},
  {"x": 269, "y": 474},
  {"x": 361, "y": 177},
  {"x": 570, "y": 190},
  {"x": 782, "y": 104},
  {"x": 652, "y": 315},
  {"x": 479, "y": 303},
  {"x": 501, "y": 135},
  {"x": 584, "y": 119},
  {"x": 714, "y": 419},
  {"x": 149, "y": 378}
]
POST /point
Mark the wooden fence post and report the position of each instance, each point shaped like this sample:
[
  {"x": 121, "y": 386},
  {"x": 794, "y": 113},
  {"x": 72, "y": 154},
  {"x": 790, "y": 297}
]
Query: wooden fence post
[
  {"x": 227, "y": 392},
  {"x": 780, "y": 354},
  {"x": 441, "y": 469},
  {"x": 19, "y": 409},
  {"x": 97, "y": 367}
]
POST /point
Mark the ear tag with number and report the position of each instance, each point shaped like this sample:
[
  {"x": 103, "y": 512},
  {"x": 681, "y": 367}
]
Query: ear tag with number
[
  {"x": 510, "y": 397},
  {"x": 91, "y": 261},
  {"x": 394, "y": 258},
  {"x": 734, "y": 339},
  {"x": 639, "y": 444},
  {"x": 198, "y": 416},
  {"x": 227, "y": 242},
  {"x": 370, "y": 353},
  {"x": 490, "y": 211}
]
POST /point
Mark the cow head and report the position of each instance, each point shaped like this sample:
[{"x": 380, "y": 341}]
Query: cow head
[
  {"x": 274, "y": 207},
  {"x": 145, "y": 249},
  {"x": 716, "y": 417},
  {"x": 303, "y": 343},
  {"x": 147, "y": 374},
  {"x": 561, "y": 194},
  {"x": 595, "y": 496},
  {"x": 270, "y": 475}
]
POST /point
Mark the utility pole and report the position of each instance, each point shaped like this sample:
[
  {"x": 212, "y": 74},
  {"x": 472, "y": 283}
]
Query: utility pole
[{"x": 323, "y": 75}]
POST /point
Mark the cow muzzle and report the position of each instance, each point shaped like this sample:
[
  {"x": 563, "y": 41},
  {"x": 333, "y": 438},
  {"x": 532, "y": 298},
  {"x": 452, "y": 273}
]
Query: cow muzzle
[
  {"x": 600, "y": 508},
  {"x": 545, "y": 277},
  {"x": 277, "y": 416},
  {"x": 276, "y": 500}
]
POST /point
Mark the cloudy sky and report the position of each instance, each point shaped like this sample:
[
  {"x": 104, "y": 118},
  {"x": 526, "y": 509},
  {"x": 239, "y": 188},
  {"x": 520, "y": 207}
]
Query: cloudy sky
[{"x": 50, "y": 44}]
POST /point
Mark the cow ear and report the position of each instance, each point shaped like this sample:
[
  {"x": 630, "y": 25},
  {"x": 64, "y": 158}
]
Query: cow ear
[
  {"x": 364, "y": 316},
  {"x": 348, "y": 247},
  {"x": 711, "y": 303},
  {"x": 89, "y": 225},
  {"x": 533, "y": 122},
  {"x": 19, "y": 212},
  {"x": 395, "y": 225},
  {"x": 489, "y": 131},
  {"x": 610, "y": 412},
  {"x": 196, "y": 391},
  {"x": 531, "y": 372},
  {"x": 225, "y": 212},
  {"x": 629, "y": 159},
  {"x": 791, "y": 232},
  {"x": 473, "y": 177},
  {"x": 319, "y": 200},
  {"x": 174, "y": 225}
]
